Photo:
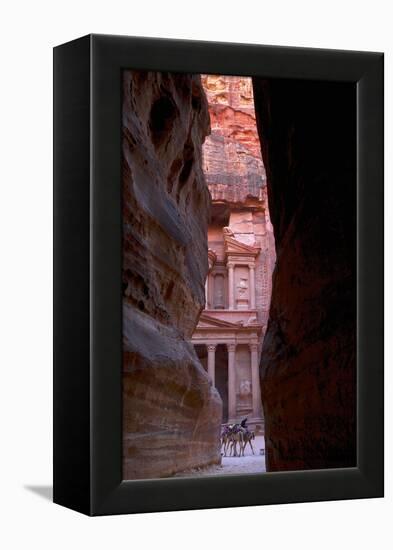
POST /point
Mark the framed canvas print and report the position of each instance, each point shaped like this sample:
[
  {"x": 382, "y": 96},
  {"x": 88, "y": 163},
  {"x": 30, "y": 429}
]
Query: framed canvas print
[{"x": 218, "y": 275}]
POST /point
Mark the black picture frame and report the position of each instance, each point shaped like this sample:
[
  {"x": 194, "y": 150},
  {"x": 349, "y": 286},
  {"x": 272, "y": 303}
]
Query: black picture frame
[{"x": 87, "y": 275}]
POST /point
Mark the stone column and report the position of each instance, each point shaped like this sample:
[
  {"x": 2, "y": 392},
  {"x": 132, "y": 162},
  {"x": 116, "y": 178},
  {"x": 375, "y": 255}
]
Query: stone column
[
  {"x": 207, "y": 292},
  {"x": 231, "y": 299},
  {"x": 211, "y": 361},
  {"x": 256, "y": 388},
  {"x": 251, "y": 269},
  {"x": 231, "y": 383}
]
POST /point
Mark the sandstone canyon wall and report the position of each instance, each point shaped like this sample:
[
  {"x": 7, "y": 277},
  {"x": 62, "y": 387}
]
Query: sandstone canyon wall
[
  {"x": 308, "y": 366},
  {"x": 172, "y": 413},
  {"x": 236, "y": 177},
  {"x": 232, "y": 159}
]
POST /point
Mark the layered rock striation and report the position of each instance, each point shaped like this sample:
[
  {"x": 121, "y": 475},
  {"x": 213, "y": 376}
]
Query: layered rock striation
[
  {"x": 232, "y": 159},
  {"x": 236, "y": 177},
  {"x": 172, "y": 414},
  {"x": 308, "y": 364}
]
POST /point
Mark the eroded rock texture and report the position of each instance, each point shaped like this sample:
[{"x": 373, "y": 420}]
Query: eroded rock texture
[
  {"x": 308, "y": 379},
  {"x": 232, "y": 158},
  {"x": 172, "y": 414},
  {"x": 236, "y": 178}
]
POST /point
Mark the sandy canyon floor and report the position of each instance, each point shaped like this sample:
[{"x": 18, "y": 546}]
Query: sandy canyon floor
[{"x": 248, "y": 464}]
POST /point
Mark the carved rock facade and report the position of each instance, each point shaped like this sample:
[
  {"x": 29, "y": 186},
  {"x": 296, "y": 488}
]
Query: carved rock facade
[
  {"x": 308, "y": 366},
  {"x": 172, "y": 413},
  {"x": 230, "y": 331}
]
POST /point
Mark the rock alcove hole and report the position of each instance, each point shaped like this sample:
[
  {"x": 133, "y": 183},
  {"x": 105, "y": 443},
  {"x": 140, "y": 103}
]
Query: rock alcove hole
[{"x": 161, "y": 121}]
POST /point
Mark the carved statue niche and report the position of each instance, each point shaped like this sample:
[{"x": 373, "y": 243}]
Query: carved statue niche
[
  {"x": 242, "y": 293},
  {"x": 242, "y": 287},
  {"x": 212, "y": 257},
  {"x": 219, "y": 292},
  {"x": 244, "y": 404},
  {"x": 245, "y": 388}
]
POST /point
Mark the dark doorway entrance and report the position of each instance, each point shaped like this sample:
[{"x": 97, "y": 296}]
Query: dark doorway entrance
[{"x": 222, "y": 378}]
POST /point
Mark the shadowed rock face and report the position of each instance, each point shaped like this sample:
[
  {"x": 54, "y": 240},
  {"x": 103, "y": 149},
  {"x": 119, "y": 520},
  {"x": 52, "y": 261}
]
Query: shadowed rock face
[
  {"x": 308, "y": 369},
  {"x": 172, "y": 414}
]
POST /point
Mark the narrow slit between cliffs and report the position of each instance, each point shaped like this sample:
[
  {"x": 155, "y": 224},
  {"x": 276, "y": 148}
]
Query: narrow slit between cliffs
[{"x": 241, "y": 257}]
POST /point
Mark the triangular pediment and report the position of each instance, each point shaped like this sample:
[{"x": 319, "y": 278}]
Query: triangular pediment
[
  {"x": 233, "y": 246},
  {"x": 206, "y": 321}
]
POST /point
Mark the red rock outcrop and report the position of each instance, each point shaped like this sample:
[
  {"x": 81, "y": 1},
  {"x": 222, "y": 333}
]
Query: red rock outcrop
[
  {"x": 232, "y": 159},
  {"x": 236, "y": 177},
  {"x": 308, "y": 365},
  {"x": 172, "y": 414}
]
